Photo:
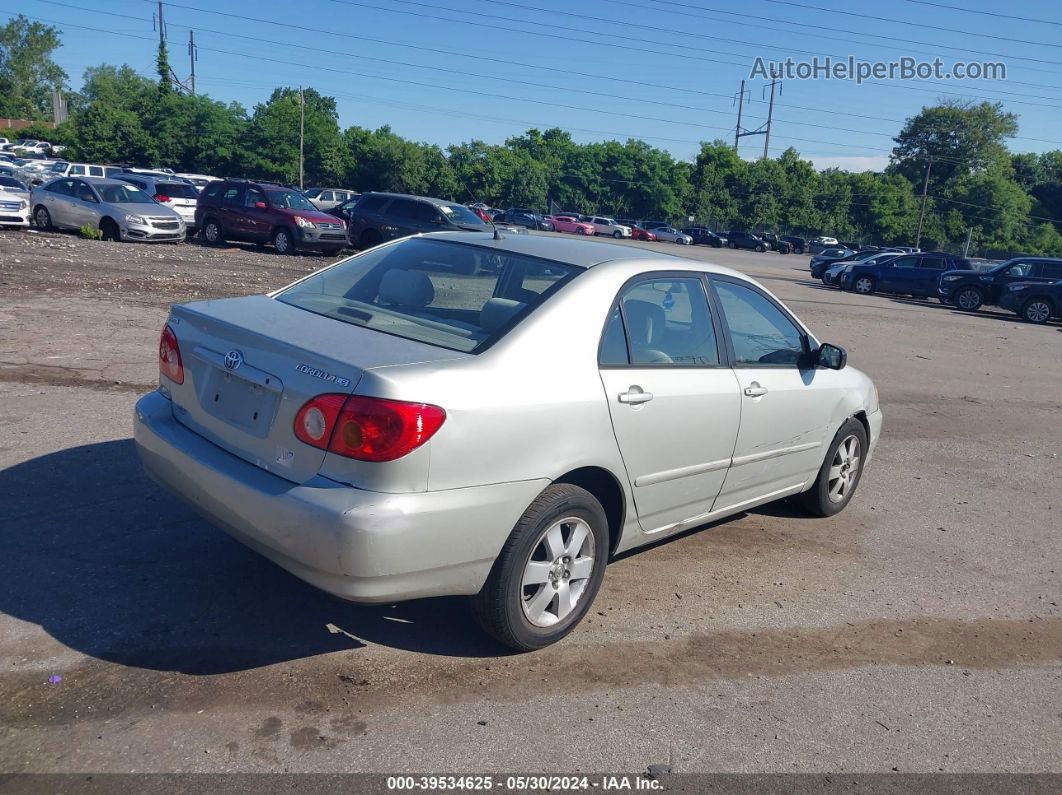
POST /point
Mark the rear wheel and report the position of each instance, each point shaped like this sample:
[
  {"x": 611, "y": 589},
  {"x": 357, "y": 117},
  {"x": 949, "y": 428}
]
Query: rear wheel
[
  {"x": 548, "y": 572},
  {"x": 283, "y": 242},
  {"x": 42, "y": 217},
  {"x": 840, "y": 472},
  {"x": 1036, "y": 310},
  {"x": 864, "y": 285},
  {"x": 969, "y": 299},
  {"x": 211, "y": 232}
]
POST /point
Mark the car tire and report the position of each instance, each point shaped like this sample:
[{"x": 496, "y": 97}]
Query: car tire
[
  {"x": 1036, "y": 310},
  {"x": 798, "y": 251},
  {"x": 41, "y": 217},
  {"x": 617, "y": 234},
  {"x": 542, "y": 552},
  {"x": 211, "y": 232},
  {"x": 760, "y": 249},
  {"x": 969, "y": 299},
  {"x": 783, "y": 251},
  {"x": 840, "y": 472},
  {"x": 283, "y": 241},
  {"x": 369, "y": 238},
  {"x": 864, "y": 285},
  {"x": 731, "y": 245},
  {"x": 110, "y": 230}
]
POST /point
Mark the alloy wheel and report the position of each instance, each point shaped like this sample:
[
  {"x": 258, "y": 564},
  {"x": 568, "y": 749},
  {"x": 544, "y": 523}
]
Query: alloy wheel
[
  {"x": 843, "y": 469},
  {"x": 1037, "y": 312},
  {"x": 969, "y": 300},
  {"x": 558, "y": 571}
]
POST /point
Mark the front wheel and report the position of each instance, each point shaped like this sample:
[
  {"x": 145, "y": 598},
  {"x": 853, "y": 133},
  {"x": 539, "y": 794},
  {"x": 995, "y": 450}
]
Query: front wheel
[
  {"x": 1036, "y": 310},
  {"x": 731, "y": 245},
  {"x": 840, "y": 472},
  {"x": 548, "y": 572},
  {"x": 969, "y": 299},
  {"x": 283, "y": 242},
  {"x": 864, "y": 285},
  {"x": 110, "y": 231},
  {"x": 617, "y": 234}
]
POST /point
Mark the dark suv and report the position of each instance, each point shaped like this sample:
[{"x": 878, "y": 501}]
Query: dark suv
[
  {"x": 745, "y": 240},
  {"x": 265, "y": 212},
  {"x": 703, "y": 237},
  {"x": 799, "y": 244},
  {"x": 1036, "y": 302},
  {"x": 777, "y": 243},
  {"x": 909, "y": 274},
  {"x": 378, "y": 217},
  {"x": 521, "y": 216},
  {"x": 970, "y": 289}
]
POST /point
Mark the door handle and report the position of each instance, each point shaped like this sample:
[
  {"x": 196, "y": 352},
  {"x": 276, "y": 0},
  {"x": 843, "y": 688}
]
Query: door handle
[
  {"x": 755, "y": 390},
  {"x": 635, "y": 395}
]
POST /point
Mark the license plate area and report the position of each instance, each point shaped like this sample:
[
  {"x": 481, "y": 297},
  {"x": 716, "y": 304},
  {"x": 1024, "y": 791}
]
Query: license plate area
[{"x": 238, "y": 402}]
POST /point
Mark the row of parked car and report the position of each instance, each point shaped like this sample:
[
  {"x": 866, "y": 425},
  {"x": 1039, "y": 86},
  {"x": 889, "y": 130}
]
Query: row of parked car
[{"x": 1031, "y": 287}]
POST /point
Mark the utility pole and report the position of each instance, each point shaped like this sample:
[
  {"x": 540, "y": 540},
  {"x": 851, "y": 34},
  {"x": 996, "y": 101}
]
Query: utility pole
[
  {"x": 770, "y": 116},
  {"x": 966, "y": 247},
  {"x": 193, "y": 55},
  {"x": 922, "y": 214},
  {"x": 737, "y": 131},
  {"x": 302, "y": 131},
  {"x": 162, "y": 27}
]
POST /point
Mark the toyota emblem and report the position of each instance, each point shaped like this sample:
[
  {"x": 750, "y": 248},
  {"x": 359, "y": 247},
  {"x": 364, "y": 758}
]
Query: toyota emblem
[{"x": 233, "y": 360}]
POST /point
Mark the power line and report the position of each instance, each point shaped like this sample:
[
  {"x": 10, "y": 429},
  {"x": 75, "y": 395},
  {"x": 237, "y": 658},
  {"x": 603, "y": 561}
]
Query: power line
[
  {"x": 914, "y": 24},
  {"x": 986, "y": 13}
]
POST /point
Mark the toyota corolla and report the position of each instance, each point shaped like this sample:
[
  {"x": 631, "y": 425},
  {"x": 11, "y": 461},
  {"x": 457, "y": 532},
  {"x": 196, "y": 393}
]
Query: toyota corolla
[{"x": 497, "y": 417}]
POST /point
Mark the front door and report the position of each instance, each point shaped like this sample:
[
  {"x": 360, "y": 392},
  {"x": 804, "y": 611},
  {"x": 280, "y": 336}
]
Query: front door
[
  {"x": 786, "y": 406},
  {"x": 256, "y": 217},
  {"x": 674, "y": 403},
  {"x": 900, "y": 275}
]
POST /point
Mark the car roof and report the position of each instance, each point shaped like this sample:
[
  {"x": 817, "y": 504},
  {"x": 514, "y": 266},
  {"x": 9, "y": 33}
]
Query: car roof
[
  {"x": 572, "y": 251},
  {"x": 405, "y": 196}
]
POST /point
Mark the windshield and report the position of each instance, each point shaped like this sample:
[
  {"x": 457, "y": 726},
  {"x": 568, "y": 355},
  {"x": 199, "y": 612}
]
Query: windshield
[
  {"x": 459, "y": 214},
  {"x": 123, "y": 194},
  {"x": 11, "y": 182},
  {"x": 455, "y": 295},
  {"x": 289, "y": 200}
]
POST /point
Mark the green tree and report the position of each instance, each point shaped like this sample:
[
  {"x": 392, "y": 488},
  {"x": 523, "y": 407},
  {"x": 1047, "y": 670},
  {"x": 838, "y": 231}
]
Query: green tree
[
  {"x": 162, "y": 69},
  {"x": 108, "y": 134},
  {"x": 271, "y": 149},
  {"x": 27, "y": 72}
]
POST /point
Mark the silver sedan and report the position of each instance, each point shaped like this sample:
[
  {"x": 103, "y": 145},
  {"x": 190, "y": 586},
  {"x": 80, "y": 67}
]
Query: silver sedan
[
  {"x": 497, "y": 416},
  {"x": 673, "y": 235},
  {"x": 119, "y": 210}
]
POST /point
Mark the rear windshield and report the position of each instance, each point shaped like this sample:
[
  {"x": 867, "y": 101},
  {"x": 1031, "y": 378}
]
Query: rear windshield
[
  {"x": 454, "y": 295},
  {"x": 176, "y": 190}
]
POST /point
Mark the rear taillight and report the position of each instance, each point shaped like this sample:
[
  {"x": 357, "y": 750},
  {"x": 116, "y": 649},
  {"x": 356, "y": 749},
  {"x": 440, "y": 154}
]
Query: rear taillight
[
  {"x": 367, "y": 428},
  {"x": 160, "y": 198},
  {"x": 170, "y": 364}
]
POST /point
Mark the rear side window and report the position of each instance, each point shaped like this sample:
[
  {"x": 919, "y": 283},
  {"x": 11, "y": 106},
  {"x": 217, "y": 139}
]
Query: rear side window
[
  {"x": 211, "y": 190},
  {"x": 1051, "y": 270},
  {"x": 933, "y": 263},
  {"x": 371, "y": 204},
  {"x": 454, "y": 295},
  {"x": 404, "y": 208}
]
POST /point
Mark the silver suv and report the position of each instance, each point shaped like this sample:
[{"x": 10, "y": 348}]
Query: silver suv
[{"x": 119, "y": 210}]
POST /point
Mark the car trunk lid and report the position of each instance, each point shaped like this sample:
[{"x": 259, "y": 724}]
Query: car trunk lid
[{"x": 251, "y": 363}]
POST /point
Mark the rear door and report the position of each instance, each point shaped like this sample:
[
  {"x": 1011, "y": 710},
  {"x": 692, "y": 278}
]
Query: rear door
[
  {"x": 930, "y": 267},
  {"x": 786, "y": 406},
  {"x": 674, "y": 403},
  {"x": 230, "y": 211},
  {"x": 59, "y": 199}
]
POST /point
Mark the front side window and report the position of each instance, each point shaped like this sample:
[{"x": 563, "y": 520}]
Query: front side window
[
  {"x": 252, "y": 197},
  {"x": 760, "y": 332},
  {"x": 905, "y": 262},
  {"x": 289, "y": 200},
  {"x": 454, "y": 295},
  {"x": 661, "y": 321},
  {"x": 1018, "y": 269}
]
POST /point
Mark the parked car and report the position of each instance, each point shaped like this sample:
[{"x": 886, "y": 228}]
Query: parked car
[
  {"x": 637, "y": 232},
  {"x": 200, "y": 181},
  {"x": 704, "y": 237},
  {"x": 907, "y": 274},
  {"x": 360, "y": 427},
  {"x": 745, "y": 240},
  {"x": 119, "y": 210},
  {"x": 14, "y": 202},
  {"x": 970, "y": 289},
  {"x": 344, "y": 210},
  {"x": 265, "y": 212},
  {"x": 169, "y": 191},
  {"x": 1035, "y": 302},
  {"x": 566, "y": 223},
  {"x": 34, "y": 146},
  {"x": 827, "y": 257},
  {"x": 799, "y": 244},
  {"x": 831, "y": 272},
  {"x": 651, "y": 225},
  {"x": 672, "y": 235},
  {"x": 379, "y": 217},
  {"x": 825, "y": 241},
  {"x": 520, "y": 216},
  {"x": 603, "y": 225},
  {"x": 327, "y": 198},
  {"x": 62, "y": 168},
  {"x": 776, "y": 243}
]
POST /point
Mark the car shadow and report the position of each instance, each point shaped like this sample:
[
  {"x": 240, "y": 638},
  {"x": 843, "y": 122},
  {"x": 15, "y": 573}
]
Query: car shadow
[{"x": 111, "y": 565}]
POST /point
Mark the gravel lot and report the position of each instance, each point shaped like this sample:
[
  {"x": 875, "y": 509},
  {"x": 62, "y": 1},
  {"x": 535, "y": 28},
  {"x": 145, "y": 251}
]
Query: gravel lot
[{"x": 920, "y": 630}]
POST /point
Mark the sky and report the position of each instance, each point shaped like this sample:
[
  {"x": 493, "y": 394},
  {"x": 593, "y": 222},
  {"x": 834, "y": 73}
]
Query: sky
[{"x": 665, "y": 71}]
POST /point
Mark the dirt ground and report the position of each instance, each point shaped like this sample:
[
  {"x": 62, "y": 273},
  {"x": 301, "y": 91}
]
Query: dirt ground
[{"x": 918, "y": 631}]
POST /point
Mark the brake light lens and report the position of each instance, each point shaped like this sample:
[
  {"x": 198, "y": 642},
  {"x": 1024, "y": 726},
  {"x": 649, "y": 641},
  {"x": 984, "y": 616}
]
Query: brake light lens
[
  {"x": 161, "y": 198},
  {"x": 170, "y": 364},
  {"x": 367, "y": 428}
]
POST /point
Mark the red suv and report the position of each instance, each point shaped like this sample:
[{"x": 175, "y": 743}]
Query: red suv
[{"x": 264, "y": 212}]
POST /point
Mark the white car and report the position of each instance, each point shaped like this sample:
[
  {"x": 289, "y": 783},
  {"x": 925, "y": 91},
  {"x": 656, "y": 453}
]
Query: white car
[
  {"x": 199, "y": 180},
  {"x": 14, "y": 202},
  {"x": 826, "y": 241},
  {"x": 62, "y": 168},
  {"x": 673, "y": 235},
  {"x": 608, "y": 226},
  {"x": 36, "y": 147},
  {"x": 327, "y": 198}
]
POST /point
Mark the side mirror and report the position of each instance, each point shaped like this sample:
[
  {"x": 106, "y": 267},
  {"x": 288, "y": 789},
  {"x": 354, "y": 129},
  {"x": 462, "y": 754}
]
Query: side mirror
[
  {"x": 832, "y": 357},
  {"x": 260, "y": 205}
]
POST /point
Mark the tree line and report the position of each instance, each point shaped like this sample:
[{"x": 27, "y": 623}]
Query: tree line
[{"x": 1007, "y": 203}]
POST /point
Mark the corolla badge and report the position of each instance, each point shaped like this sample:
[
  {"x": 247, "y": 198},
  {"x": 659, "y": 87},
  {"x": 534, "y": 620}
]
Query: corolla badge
[
  {"x": 318, "y": 373},
  {"x": 233, "y": 360}
]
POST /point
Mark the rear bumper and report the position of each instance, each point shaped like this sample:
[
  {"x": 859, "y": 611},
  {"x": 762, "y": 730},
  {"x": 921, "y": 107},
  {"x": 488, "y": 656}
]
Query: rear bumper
[{"x": 359, "y": 545}]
